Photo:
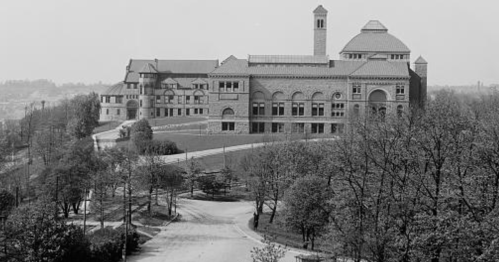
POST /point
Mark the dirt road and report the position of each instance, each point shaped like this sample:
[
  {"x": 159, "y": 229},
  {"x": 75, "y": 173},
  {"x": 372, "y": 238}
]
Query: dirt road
[{"x": 208, "y": 231}]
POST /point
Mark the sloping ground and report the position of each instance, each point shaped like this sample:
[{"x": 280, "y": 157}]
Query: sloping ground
[{"x": 207, "y": 231}]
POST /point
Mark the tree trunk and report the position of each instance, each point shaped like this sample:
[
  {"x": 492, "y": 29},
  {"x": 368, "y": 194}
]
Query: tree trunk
[{"x": 149, "y": 200}]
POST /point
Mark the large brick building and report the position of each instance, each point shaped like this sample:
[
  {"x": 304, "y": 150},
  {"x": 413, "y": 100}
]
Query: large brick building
[{"x": 276, "y": 93}]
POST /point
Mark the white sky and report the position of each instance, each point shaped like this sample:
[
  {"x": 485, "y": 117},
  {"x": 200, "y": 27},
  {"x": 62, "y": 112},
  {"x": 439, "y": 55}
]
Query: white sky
[{"x": 91, "y": 40}]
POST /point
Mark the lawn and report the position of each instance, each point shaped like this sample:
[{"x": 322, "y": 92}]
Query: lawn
[
  {"x": 196, "y": 142},
  {"x": 174, "y": 120},
  {"x": 105, "y": 126}
]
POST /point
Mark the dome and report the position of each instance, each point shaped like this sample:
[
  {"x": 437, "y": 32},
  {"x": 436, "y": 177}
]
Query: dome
[{"x": 374, "y": 37}]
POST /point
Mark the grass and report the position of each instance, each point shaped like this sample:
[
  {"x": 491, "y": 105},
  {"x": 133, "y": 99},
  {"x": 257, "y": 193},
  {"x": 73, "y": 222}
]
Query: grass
[
  {"x": 106, "y": 126},
  {"x": 282, "y": 235},
  {"x": 196, "y": 142},
  {"x": 174, "y": 120}
]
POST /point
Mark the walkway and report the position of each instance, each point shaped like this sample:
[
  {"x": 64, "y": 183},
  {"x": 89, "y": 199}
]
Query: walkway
[{"x": 207, "y": 231}]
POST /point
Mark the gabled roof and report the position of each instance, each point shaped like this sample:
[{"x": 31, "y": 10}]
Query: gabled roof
[
  {"x": 199, "y": 81},
  {"x": 374, "y": 26},
  {"x": 171, "y": 66},
  {"x": 421, "y": 60},
  {"x": 148, "y": 68},
  {"x": 115, "y": 90},
  {"x": 320, "y": 10},
  {"x": 374, "y": 37},
  {"x": 170, "y": 81},
  {"x": 382, "y": 69}
]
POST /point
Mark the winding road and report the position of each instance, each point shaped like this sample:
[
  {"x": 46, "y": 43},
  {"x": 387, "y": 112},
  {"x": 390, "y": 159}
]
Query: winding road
[{"x": 207, "y": 231}]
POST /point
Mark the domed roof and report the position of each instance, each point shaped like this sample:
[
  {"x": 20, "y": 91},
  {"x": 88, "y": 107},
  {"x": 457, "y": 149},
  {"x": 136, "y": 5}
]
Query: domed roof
[{"x": 374, "y": 37}]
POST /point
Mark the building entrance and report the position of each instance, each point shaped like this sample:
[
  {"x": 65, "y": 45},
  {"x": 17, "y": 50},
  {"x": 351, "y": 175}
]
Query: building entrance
[{"x": 131, "y": 108}]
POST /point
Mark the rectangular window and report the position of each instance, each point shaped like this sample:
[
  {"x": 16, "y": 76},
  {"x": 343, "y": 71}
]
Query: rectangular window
[
  {"x": 171, "y": 111},
  {"x": 158, "y": 112},
  {"x": 315, "y": 109},
  {"x": 195, "y": 111},
  {"x": 187, "y": 99},
  {"x": 140, "y": 102},
  {"x": 221, "y": 86},
  {"x": 356, "y": 89},
  {"x": 128, "y": 86},
  {"x": 179, "y": 100},
  {"x": 158, "y": 99},
  {"x": 400, "y": 90},
  {"x": 277, "y": 109},
  {"x": 298, "y": 127},
  {"x": 107, "y": 111},
  {"x": 187, "y": 111},
  {"x": 228, "y": 86},
  {"x": 179, "y": 112},
  {"x": 108, "y": 99},
  {"x": 119, "y": 99},
  {"x": 228, "y": 126},
  {"x": 317, "y": 128},
  {"x": 258, "y": 109},
  {"x": 200, "y": 111},
  {"x": 277, "y": 127},
  {"x": 235, "y": 86},
  {"x": 135, "y": 86},
  {"x": 196, "y": 99},
  {"x": 118, "y": 112},
  {"x": 257, "y": 127},
  {"x": 166, "y": 111}
]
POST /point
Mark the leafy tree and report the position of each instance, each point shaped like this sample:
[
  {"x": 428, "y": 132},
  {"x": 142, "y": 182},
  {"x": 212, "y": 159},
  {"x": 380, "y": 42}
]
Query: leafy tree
[
  {"x": 306, "y": 207},
  {"x": 36, "y": 235},
  {"x": 211, "y": 184},
  {"x": 7, "y": 202},
  {"x": 171, "y": 180},
  {"x": 193, "y": 171},
  {"x": 140, "y": 134},
  {"x": 85, "y": 115}
]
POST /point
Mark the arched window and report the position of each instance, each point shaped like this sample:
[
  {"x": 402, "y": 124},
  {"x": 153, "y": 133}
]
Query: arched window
[
  {"x": 258, "y": 103},
  {"x": 318, "y": 104},
  {"x": 278, "y": 99},
  {"x": 400, "y": 110},
  {"x": 298, "y": 104},
  {"x": 228, "y": 112},
  {"x": 356, "y": 110}
]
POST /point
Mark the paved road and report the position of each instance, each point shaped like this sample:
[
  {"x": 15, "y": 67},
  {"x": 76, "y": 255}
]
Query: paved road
[{"x": 208, "y": 231}]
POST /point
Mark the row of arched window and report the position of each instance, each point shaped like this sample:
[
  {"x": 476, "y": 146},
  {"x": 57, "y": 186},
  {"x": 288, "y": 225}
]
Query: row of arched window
[{"x": 297, "y": 96}]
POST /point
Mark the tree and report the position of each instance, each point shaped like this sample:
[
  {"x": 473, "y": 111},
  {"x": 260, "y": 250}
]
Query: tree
[
  {"x": 7, "y": 202},
  {"x": 193, "y": 172},
  {"x": 306, "y": 207},
  {"x": 35, "y": 235},
  {"x": 211, "y": 184},
  {"x": 171, "y": 180},
  {"x": 85, "y": 115},
  {"x": 140, "y": 134}
]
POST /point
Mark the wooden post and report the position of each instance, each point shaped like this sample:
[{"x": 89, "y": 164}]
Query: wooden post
[{"x": 85, "y": 212}]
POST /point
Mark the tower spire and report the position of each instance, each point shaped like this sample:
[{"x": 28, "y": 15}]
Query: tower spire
[{"x": 320, "y": 31}]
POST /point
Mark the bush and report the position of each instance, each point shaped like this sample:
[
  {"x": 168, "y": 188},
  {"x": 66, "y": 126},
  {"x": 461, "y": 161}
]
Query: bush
[
  {"x": 156, "y": 147},
  {"x": 106, "y": 244}
]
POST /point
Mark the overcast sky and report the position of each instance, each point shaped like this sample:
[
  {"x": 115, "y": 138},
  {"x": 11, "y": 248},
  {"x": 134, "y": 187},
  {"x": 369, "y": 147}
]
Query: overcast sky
[{"x": 92, "y": 40}]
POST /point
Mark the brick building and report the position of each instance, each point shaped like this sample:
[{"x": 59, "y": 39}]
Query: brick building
[{"x": 277, "y": 93}]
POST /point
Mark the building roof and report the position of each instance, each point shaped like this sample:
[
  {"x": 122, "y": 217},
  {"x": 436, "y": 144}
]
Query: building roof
[
  {"x": 374, "y": 37},
  {"x": 335, "y": 68},
  {"x": 382, "y": 69},
  {"x": 148, "y": 68},
  {"x": 169, "y": 81},
  {"x": 374, "y": 26},
  {"x": 199, "y": 81},
  {"x": 115, "y": 90},
  {"x": 320, "y": 10},
  {"x": 287, "y": 59},
  {"x": 171, "y": 67},
  {"x": 421, "y": 60}
]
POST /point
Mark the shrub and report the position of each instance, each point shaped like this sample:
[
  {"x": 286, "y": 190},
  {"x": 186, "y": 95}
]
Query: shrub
[
  {"x": 106, "y": 245},
  {"x": 156, "y": 147}
]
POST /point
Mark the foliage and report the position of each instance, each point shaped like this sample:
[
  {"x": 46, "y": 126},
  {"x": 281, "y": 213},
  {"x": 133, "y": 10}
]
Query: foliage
[
  {"x": 85, "y": 115},
  {"x": 156, "y": 147},
  {"x": 35, "y": 235},
  {"x": 270, "y": 252},
  {"x": 307, "y": 208},
  {"x": 7, "y": 202},
  {"x": 211, "y": 184},
  {"x": 171, "y": 180},
  {"x": 106, "y": 245},
  {"x": 140, "y": 133}
]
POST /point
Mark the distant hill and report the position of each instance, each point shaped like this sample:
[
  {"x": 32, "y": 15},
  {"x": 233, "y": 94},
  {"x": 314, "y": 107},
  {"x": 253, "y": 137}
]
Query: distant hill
[{"x": 16, "y": 94}]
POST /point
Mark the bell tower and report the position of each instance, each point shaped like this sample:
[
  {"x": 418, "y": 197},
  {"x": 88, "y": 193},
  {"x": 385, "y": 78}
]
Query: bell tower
[{"x": 320, "y": 31}]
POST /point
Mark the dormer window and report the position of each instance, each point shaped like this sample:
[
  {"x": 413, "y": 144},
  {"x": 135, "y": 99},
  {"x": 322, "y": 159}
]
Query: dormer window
[
  {"x": 200, "y": 86},
  {"x": 397, "y": 57},
  {"x": 354, "y": 56}
]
